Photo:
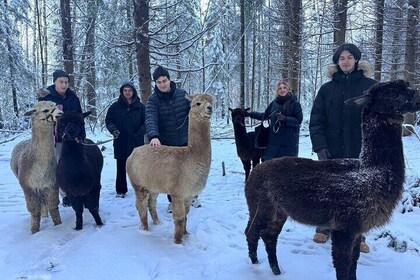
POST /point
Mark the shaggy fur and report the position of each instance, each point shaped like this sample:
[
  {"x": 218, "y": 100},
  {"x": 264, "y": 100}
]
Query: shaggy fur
[
  {"x": 245, "y": 141},
  {"x": 79, "y": 168},
  {"x": 34, "y": 164},
  {"x": 349, "y": 196},
  {"x": 179, "y": 171}
]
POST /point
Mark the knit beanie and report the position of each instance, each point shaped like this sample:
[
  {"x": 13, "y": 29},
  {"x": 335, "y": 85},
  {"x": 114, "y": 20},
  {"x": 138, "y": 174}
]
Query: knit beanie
[
  {"x": 347, "y": 47},
  {"x": 60, "y": 73},
  {"x": 160, "y": 72}
]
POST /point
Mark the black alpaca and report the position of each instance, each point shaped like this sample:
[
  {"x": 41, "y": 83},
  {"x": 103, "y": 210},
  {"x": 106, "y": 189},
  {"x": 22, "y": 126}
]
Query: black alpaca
[
  {"x": 349, "y": 196},
  {"x": 79, "y": 168},
  {"x": 245, "y": 141}
]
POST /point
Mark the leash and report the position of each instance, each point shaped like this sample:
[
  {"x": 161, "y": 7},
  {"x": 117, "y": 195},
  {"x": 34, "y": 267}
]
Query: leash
[{"x": 78, "y": 141}]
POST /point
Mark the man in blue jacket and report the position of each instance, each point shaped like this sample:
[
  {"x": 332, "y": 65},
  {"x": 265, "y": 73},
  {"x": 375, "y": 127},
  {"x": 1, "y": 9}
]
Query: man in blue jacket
[
  {"x": 66, "y": 100},
  {"x": 167, "y": 112}
]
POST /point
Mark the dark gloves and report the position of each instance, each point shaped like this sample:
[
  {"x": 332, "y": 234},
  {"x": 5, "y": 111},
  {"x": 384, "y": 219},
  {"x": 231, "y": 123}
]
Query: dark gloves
[
  {"x": 323, "y": 154},
  {"x": 281, "y": 117},
  {"x": 116, "y": 133}
]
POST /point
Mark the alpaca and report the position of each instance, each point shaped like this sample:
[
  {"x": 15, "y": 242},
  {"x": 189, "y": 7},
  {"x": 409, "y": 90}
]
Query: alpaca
[
  {"x": 34, "y": 164},
  {"x": 349, "y": 196},
  {"x": 79, "y": 168},
  {"x": 245, "y": 141},
  {"x": 179, "y": 171}
]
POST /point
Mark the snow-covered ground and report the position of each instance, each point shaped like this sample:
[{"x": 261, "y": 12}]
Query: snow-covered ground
[{"x": 216, "y": 247}]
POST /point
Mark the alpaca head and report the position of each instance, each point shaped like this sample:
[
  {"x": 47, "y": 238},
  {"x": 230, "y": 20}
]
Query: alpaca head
[
  {"x": 71, "y": 126},
  {"x": 238, "y": 115},
  {"x": 393, "y": 98},
  {"x": 44, "y": 111},
  {"x": 201, "y": 105}
]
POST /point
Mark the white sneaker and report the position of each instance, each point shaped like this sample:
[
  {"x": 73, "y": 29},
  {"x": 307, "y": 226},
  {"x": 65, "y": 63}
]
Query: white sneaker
[
  {"x": 169, "y": 209},
  {"x": 195, "y": 202}
]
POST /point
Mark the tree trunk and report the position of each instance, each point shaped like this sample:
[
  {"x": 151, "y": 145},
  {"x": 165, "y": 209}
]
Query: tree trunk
[
  {"x": 141, "y": 22},
  {"x": 295, "y": 12},
  {"x": 90, "y": 59},
  {"x": 11, "y": 61},
  {"x": 68, "y": 49},
  {"x": 242, "y": 56},
  {"x": 411, "y": 52},
  {"x": 340, "y": 21},
  {"x": 379, "y": 38}
]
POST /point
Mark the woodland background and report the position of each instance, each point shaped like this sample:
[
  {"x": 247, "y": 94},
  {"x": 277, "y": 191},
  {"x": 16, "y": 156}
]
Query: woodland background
[{"x": 235, "y": 50}]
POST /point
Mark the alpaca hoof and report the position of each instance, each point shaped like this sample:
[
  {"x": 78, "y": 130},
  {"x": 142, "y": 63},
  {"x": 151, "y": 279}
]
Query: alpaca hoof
[
  {"x": 78, "y": 227},
  {"x": 57, "y": 223},
  {"x": 254, "y": 260},
  {"x": 33, "y": 231},
  {"x": 144, "y": 228},
  {"x": 178, "y": 241},
  {"x": 275, "y": 269},
  {"x": 100, "y": 224}
]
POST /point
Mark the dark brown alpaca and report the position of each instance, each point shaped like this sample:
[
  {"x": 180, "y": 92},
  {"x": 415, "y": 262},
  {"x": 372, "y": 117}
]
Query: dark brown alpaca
[
  {"x": 245, "y": 141},
  {"x": 349, "y": 196}
]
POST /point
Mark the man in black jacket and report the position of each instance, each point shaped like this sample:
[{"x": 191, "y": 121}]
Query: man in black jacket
[
  {"x": 125, "y": 120},
  {"x": 167, "y": 112},
  {"x": 67, "y": 101},
  {"x": 334, "y": 127}
]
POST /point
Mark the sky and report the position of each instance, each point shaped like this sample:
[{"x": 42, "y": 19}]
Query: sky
[{"x": 215, "y": 247}]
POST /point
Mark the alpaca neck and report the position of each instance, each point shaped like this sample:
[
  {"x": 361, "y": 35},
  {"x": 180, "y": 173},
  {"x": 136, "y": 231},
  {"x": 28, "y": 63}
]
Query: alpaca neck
[
  {"x": 43, "y": 138},
  {"x": 241, "y": 136},
  {"x": 199, "y": 136},
  {"x": 73, "y": 150},
  {"x": 382, "y": 144}
]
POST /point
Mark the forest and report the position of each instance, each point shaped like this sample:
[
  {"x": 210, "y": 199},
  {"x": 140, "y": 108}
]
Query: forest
[{"x": 235, "y": 50}]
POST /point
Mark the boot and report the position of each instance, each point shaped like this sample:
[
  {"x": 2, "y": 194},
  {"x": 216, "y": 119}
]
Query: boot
[
  {"x": 364, "y": 248},
  {"x": 320, "y": 238}
]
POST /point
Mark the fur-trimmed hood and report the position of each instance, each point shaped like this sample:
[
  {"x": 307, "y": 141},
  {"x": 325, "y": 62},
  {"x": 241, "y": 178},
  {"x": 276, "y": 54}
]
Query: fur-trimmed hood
[
  {"x": 362, "y": 65},
  {"x": 43, "y": 92}
]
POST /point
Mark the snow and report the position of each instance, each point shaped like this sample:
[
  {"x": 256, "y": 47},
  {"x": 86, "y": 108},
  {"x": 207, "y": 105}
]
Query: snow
[{"x": 216, "y": 247}]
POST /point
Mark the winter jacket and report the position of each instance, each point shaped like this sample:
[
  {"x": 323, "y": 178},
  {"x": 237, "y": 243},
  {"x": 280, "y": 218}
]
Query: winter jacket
[
  {"x": 71, "y": 102},
  {"x": 283, "y": 137},
  {"x": 167, "y": 116},
  {"x": 129, "y": 120},
  {"x": 334, "y": 125}
]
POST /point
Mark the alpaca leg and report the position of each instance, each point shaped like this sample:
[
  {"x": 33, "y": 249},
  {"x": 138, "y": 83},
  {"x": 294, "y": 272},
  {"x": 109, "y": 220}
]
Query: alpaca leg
[
  {"x": 342, "y": 248},
  {"x": 247, "y": 168},
  {"x": 178, "y": 214},
  {"x": 77, "y": 205},
  {"x": 252, "y": 233},
  {"x": 355, "y": 258},
  {"x": 52, "y": 204},
  {"x": 187, "y": 205},
  {"x": 33, "y": 204},
  {"x": 142, "y": 197},
  {"x": 92, "y": 204},
  {"x": 152, "y": 208},
  {"x": 255, "y": 161},
  {"x": 270, "y": 236}
]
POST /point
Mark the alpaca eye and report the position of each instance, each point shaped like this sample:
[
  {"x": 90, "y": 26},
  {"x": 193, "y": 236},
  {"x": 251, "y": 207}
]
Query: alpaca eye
[
  {"x": 45, "y": 111},
  {"x": 198, "y": 103}
]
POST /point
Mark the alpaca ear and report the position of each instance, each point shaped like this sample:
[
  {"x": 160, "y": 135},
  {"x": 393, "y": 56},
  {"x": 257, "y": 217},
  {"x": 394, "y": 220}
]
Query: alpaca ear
[
  {"x": 85, "y": 114},
  {"x": 29, "y": 113},
  {"x": 189, "y": 97},
  {"x": 359, "y": 100},
  {"x": 247, "y": 109},
  {"x": 230, "y": 109}
]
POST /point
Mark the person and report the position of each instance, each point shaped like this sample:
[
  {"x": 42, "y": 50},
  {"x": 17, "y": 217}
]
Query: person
[
  {"x": 284, "y": 115},
  {"x": 167, "y": 112},
  {"x": 125, "y": 120},
  {"x": 67, "y": 101},
  {"x": 333, "y": 127}
]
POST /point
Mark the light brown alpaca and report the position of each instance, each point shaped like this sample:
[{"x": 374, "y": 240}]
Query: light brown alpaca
[
  {"x": 179, "y": 171},
  {"x": 34, "y": 164}
]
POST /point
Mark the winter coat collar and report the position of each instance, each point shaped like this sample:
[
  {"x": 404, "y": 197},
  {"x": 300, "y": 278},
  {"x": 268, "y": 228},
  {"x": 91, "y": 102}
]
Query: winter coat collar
[
  {"x": 363, "y": 66},
  {"x": 51, "y": 90}
]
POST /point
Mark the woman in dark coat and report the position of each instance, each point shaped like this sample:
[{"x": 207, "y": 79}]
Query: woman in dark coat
[
  {"x": 125, "y": 120},
  {"x": 284, "y": 115}
]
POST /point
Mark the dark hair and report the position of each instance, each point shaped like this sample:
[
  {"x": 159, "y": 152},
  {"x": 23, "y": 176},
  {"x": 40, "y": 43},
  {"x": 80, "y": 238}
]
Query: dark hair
[
  {"x": 347, "y": 47},
  {"x": 60, "y": 73},
  {"x": 160, "y": 72}
]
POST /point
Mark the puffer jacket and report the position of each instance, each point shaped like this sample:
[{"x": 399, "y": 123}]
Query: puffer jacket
[
  {"x": 283, "y": 137},
  {"x": 129, "y": 120},
  {"x": 167, "y": 116},
  {"x": 334, "y": 125},
  {"x": 70, "y": 104}
]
